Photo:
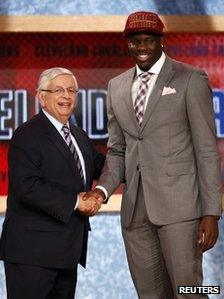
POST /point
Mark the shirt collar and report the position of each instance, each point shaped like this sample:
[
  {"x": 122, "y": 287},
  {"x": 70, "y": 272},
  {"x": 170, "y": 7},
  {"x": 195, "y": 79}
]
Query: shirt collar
[
  {"x": 58, "y": 125},
  {"x": 156, "y": 68}
]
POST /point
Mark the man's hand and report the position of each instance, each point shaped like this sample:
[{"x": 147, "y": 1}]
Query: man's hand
[
  {"x": 95, "y": 194},
  {"x": 88, "y": 207},
  {"x": 207, "y": 233}
]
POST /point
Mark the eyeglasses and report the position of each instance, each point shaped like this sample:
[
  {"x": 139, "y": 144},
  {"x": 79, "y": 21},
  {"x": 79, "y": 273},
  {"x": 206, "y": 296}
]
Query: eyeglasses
[{"x": 61, "y": 91}]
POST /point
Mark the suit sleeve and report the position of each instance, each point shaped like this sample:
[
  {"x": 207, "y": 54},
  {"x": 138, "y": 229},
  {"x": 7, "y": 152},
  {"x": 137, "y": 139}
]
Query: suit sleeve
[
  {"x": 203, "y": 131},
  {"x": 29, "y": 185},
  {"x": 114, "y": 168}
]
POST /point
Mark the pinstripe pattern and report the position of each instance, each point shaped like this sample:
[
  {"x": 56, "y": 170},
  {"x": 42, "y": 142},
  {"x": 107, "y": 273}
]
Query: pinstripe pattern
[{"x": 66, "y": 131}]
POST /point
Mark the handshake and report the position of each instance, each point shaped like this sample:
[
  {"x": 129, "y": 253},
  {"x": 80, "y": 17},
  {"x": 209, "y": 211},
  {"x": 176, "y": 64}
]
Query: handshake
[{"x": 90, "y": 202}]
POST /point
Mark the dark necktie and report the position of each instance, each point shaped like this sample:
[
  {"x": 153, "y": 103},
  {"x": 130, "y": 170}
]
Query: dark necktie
[
  {"x": 141, "y": 96},
  {"x": 66, "y": 131}
]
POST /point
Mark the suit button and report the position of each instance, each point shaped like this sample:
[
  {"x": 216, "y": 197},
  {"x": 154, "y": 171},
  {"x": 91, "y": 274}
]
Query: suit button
[{"x": 140, "y": 138}]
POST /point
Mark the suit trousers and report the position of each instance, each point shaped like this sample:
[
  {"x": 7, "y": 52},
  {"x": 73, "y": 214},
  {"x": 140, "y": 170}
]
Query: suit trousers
[
  {"x": 161, "y": 258},
  {"x": 34, "y": 282}
]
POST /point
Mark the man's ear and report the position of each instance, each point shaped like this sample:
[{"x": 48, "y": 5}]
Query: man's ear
[{"x": 41, "y": 97}]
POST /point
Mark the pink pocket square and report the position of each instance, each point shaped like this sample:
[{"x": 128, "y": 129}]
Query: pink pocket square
[{"x": 168, "y": 90}]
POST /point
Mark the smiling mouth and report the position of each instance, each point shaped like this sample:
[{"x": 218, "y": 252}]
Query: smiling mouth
[
  {"x": 64, "y": 104},
  {"x": 143, "y": 57}
]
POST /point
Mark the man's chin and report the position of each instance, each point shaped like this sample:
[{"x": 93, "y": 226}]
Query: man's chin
[{"x": 144, "y": 65}]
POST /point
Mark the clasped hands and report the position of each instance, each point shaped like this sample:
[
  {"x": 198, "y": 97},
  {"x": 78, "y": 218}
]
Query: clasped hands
[{"x": 90, "y": 202}]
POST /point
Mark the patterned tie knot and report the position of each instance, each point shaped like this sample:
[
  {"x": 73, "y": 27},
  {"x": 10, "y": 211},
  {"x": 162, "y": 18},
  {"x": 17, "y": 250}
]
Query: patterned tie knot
[
  {"x": 145, "y": 76},
  {"x": 65, "y": 130}
]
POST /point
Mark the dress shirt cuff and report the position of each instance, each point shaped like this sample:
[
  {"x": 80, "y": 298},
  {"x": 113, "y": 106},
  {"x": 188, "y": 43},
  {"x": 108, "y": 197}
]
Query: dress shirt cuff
[
  {"x": 77, "y": 202},
  {"x": 104, "y": 191}
]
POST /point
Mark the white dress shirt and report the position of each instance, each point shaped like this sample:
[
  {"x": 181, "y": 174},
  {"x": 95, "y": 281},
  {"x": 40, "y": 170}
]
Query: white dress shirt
[{"x": 154, "y": 70}]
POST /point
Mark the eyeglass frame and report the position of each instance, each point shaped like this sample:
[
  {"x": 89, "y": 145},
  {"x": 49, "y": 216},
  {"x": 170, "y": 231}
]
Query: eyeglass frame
[{"x": 61, "y": 90}]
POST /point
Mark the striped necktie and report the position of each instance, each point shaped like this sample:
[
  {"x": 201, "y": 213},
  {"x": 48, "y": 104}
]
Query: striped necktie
[
  {"x": 141, "y": 96},
  {"x": 67, "y": 135}
]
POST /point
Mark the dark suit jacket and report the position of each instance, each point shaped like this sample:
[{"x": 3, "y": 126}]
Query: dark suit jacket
[{"x": 41, "y": 227}]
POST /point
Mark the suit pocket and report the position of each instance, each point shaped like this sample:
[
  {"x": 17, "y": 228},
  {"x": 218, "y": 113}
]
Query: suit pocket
[{"x": 181, "y": 168}]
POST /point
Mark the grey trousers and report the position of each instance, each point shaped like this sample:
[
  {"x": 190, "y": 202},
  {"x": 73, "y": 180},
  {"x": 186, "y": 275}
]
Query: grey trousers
[{"x": 161, "y": 258}]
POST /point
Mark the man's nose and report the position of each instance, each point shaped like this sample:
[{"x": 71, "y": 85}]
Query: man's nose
[
  {"x": 142, "y": 45},
  {"x": 66, "y": 93}
]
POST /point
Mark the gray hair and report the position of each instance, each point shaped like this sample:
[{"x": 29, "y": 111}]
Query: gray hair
[{"x": 49, "y": 74}]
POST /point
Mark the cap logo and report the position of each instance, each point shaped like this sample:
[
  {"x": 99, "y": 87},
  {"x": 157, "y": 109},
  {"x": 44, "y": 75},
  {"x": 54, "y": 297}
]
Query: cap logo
[
  {"x": 142, "y": 17},
  {"x": 141, "y": 21}
]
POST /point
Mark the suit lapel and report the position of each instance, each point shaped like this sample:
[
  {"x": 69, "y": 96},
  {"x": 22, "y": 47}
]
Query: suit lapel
[
  {"x": 127, "y": 96},
  {"x": 163, "y": 79},
  {"x": 84, "y": 150},
  {"x": 58, "y": 142}
]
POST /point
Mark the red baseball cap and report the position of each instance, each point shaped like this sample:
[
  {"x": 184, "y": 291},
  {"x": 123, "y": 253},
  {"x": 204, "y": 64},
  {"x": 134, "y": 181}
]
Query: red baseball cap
[{"x": 144, "y": 21}]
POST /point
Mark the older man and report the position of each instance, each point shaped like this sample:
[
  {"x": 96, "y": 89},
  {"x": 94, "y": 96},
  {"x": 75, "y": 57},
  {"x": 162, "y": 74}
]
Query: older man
[
  {"x": 51, "y": 163},
  {"x": 162, "y": 143}
]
